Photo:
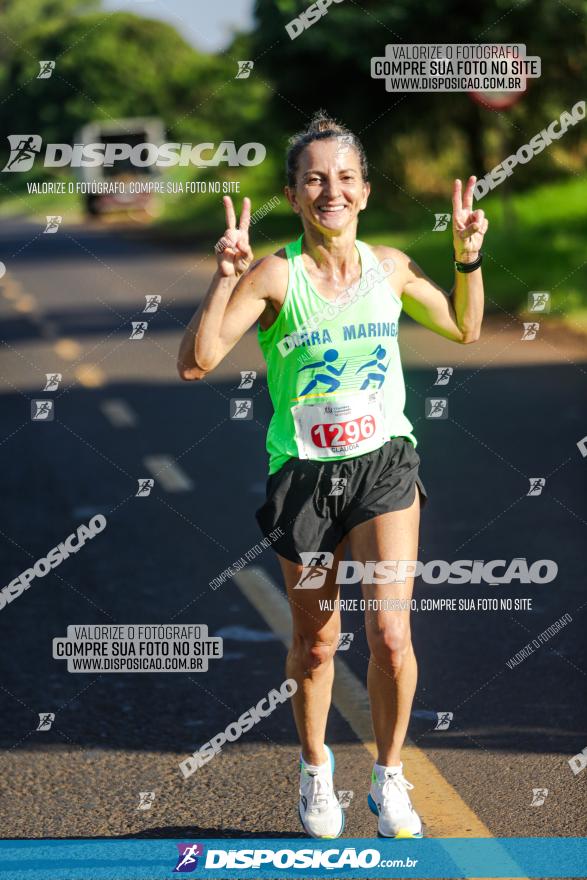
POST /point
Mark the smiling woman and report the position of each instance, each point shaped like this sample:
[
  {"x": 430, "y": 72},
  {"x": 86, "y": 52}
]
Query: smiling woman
[{"x": 343, "y": 466}]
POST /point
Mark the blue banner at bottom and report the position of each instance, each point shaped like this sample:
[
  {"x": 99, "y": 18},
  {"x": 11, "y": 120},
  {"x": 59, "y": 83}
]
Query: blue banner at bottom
[{"x": 542, "y": 857}]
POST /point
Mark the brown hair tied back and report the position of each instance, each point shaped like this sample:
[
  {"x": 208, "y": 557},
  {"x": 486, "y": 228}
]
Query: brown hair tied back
[{"x": 322, "y": 127}]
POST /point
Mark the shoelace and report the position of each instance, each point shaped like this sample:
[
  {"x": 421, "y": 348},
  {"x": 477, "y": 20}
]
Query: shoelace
[
  {"x": 394, "y": 781},
  {"x": 319, "y": 793}
]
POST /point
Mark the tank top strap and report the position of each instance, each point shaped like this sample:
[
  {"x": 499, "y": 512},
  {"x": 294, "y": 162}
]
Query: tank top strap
[
  {"x": 293, "y": 250},
  {"x": 368, "y": 258}
]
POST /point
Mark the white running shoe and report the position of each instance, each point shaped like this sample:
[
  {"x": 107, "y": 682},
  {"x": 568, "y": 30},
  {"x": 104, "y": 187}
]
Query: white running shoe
[
  {"x": 320, "y": 812},
  {"x": 389, "y": 799}
]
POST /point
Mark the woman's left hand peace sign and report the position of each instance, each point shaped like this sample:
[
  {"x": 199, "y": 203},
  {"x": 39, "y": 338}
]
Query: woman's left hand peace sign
[{"x": 468, "y": 226}]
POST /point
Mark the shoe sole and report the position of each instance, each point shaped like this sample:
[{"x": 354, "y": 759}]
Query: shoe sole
[
  {"x": 402, "y": 834},
  {"x": 324, "y": 836}
]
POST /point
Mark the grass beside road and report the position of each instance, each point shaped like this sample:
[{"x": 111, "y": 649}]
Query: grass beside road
[{"x": 537, "y": 241}]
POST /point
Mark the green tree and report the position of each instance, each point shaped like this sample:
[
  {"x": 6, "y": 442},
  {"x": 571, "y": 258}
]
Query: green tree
[
  {"x": 328, "y": 66},
  {"x": 107, "y": 66},
  {"x": 119, "y": 65}
]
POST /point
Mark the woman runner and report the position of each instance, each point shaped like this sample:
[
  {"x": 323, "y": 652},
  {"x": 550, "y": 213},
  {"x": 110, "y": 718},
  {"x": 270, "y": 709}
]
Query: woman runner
[{"x": 343, "y": 467}]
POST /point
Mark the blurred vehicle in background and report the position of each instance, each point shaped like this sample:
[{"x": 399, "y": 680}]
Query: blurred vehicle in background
[{"x": 131, "y": 131}]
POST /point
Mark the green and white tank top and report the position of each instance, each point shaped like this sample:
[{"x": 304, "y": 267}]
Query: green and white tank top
[{"x": 333, "y": 366}]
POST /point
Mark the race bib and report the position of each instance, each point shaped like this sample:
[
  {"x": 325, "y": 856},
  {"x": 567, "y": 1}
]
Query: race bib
[{"x": 351, "y": 424}]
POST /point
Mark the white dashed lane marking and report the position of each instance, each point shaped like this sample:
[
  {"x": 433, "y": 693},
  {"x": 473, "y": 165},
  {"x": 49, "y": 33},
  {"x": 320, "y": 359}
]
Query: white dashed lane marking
[
  {"x": 167, "y": 473},
  {"x": 119, "y": 413}
]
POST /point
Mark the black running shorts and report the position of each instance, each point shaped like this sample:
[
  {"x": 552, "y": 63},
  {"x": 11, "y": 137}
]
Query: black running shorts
[{"x": 317, "y": 503}]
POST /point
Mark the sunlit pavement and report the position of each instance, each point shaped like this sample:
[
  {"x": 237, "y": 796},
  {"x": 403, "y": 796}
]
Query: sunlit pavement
[{"x": 67, "y": 306}]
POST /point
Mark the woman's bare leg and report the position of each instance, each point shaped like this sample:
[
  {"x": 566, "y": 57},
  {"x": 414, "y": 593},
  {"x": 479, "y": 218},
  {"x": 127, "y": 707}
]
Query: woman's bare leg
[
  {"x": 393, "y": 670},
  {"x": 310, "y": 660}
]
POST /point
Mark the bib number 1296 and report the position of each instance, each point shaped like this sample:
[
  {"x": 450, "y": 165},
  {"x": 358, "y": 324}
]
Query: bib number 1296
[
  {"x": 352, "y": 424},
  {"x": 342, "y": 433}
]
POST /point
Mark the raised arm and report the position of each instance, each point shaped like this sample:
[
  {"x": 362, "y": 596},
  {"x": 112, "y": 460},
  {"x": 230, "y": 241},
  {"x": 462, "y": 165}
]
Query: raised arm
[
  {"x": 456, "y": 315},
  {"x": 235, "y": 299}
]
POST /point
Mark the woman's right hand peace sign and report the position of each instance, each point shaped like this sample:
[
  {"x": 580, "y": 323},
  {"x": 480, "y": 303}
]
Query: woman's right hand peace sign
[{"x": 233, "y": 251}]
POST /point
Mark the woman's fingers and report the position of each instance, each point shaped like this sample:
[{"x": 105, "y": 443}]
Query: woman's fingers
[
  {"x": 457, "y": 205},
  {"x": 230, "y": 213},
  {"x": 233, "y": 251},
  {"x": 468, "y": 195},
  {"x": 480, "y": 226},
  {"x": 245, "y": 220}
]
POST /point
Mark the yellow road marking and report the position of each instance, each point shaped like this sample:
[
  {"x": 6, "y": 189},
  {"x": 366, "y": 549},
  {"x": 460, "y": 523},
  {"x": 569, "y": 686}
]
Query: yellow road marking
[
  {"x": 446, "y": 813},
  {"x": 68, "y": 349},
  {"x": 90, "y": 376},
  {"x": 11, "y": 288},
  {"x": 25, "y": 303}
]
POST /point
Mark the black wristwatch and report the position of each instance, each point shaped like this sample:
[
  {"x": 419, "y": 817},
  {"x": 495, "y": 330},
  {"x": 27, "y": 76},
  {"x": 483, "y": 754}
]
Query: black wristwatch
[{"x": 467, "y": 267}]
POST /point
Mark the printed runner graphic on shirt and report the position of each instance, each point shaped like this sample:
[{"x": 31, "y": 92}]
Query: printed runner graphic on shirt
[
  {"x": 330, "y": 375},
  {"x": 378, "y": 378},
  {"x": 329, "y": 378},
  {"x": 340, "y": 409}
]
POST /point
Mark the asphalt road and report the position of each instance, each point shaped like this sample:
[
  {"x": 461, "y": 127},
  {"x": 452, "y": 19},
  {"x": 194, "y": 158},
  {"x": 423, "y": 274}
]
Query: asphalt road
[{"x": 515, "y": 413}]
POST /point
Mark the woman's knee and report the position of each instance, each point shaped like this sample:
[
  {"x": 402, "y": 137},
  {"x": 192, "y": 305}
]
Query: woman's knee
[
  {"x": 390, "y": 642},
  {"x": 315, "y": 649}
]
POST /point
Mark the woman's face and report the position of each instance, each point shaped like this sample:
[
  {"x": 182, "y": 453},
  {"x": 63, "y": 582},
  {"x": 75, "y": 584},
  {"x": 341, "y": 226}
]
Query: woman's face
[{"x": 330, "y": 190}]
